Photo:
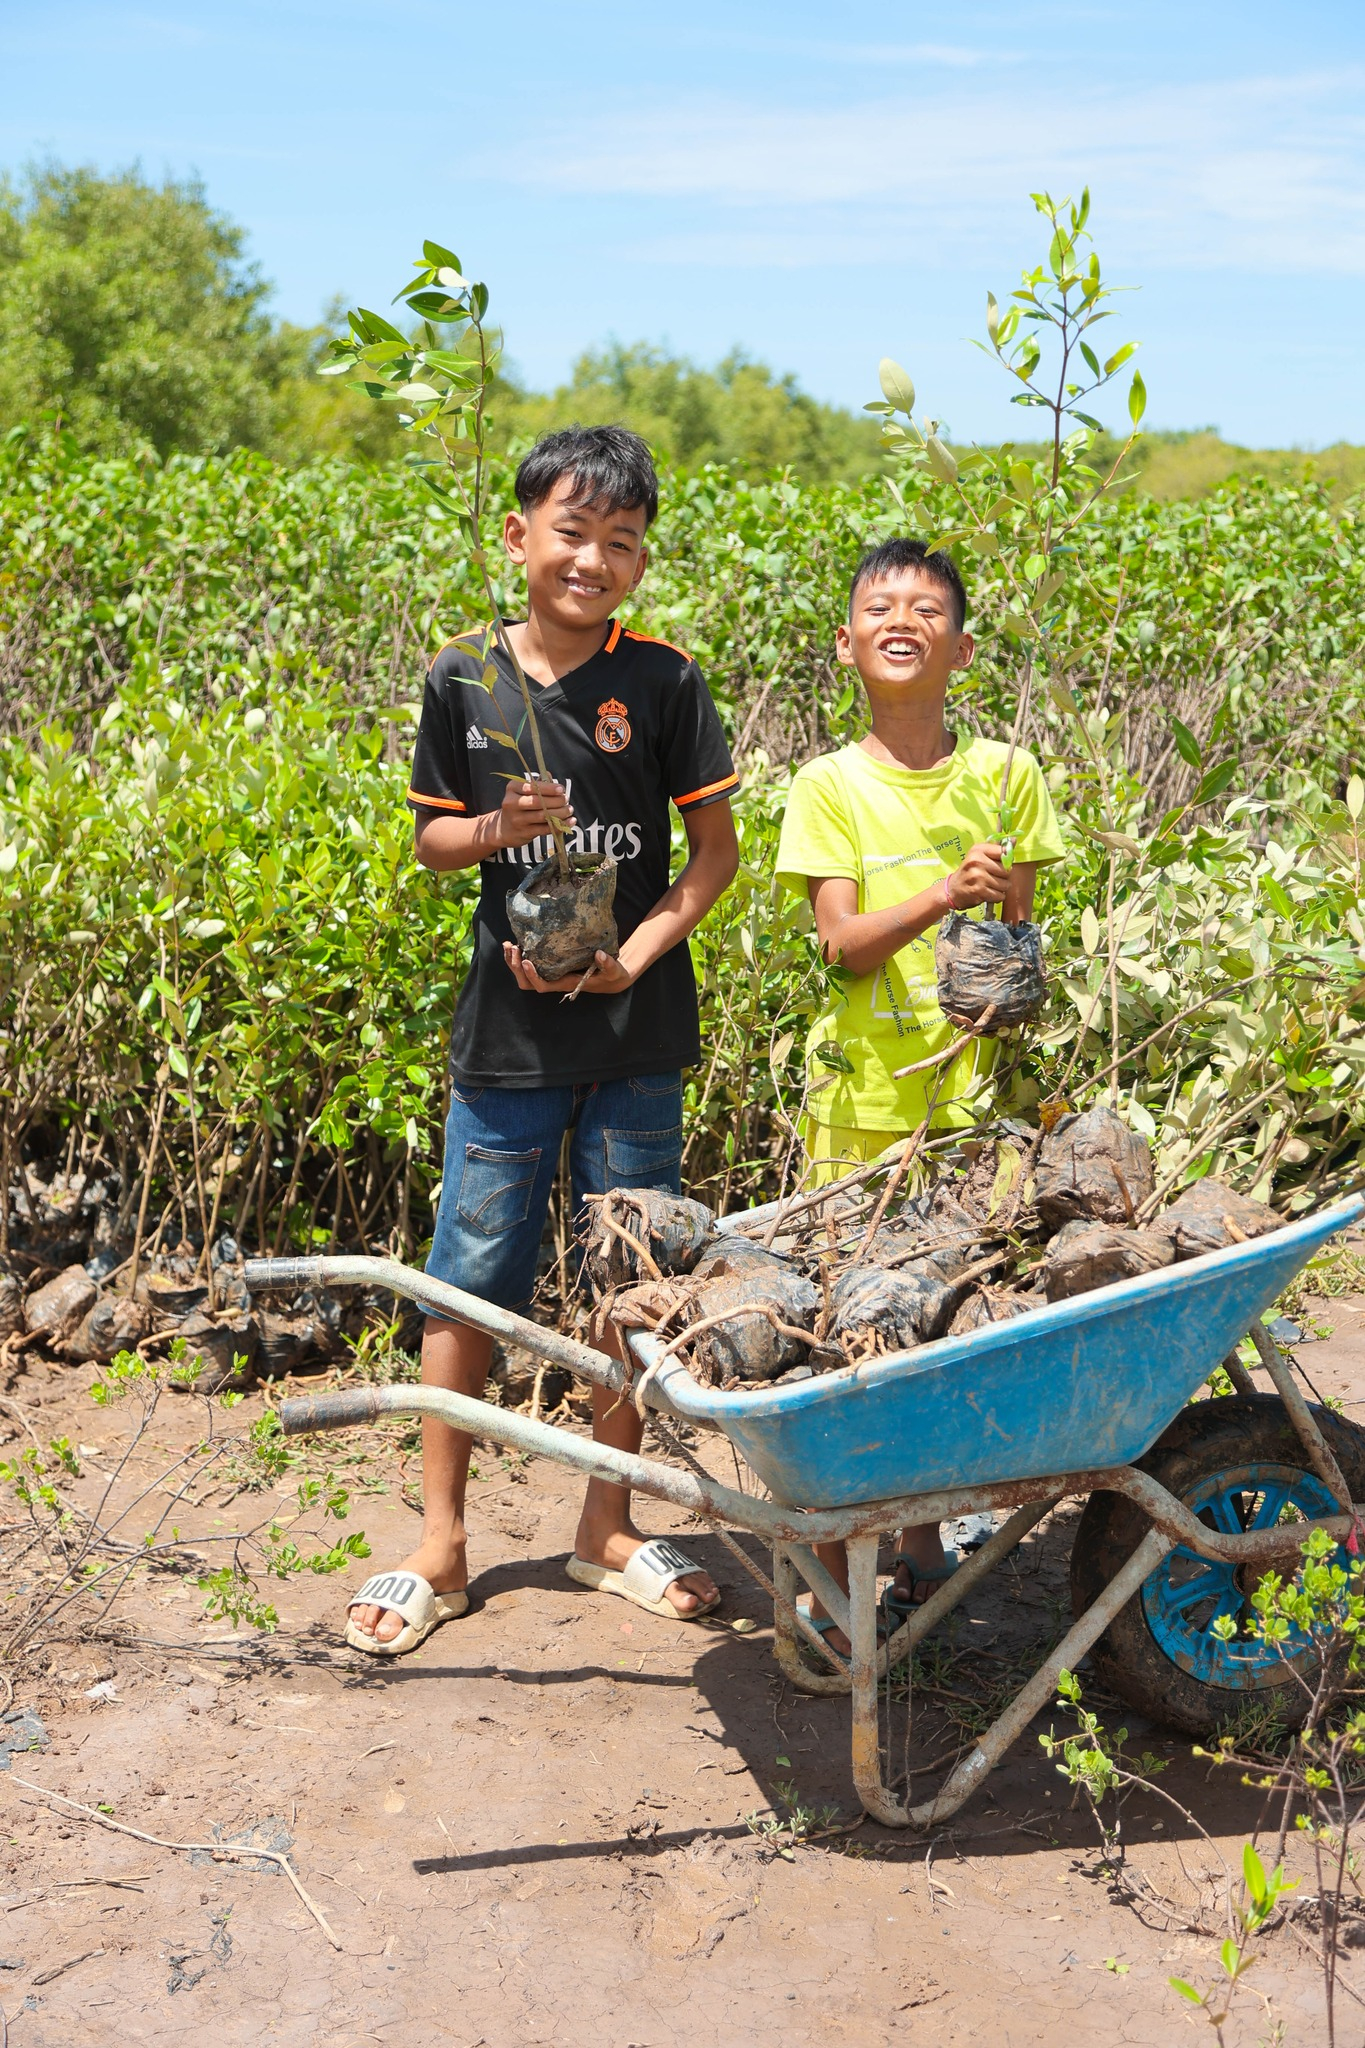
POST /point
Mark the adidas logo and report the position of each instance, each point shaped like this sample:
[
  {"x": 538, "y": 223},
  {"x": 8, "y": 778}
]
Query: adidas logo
[{"x": 474, "y": 738}]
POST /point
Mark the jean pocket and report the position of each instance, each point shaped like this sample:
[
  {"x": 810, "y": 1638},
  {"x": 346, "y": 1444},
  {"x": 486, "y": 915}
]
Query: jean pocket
[
  {"x": 656, "y": 1084},
  {"x": 495, "y": 1188},
  {"x": 466, "y": 1095},
  {"x": 644, "y": 1159}
]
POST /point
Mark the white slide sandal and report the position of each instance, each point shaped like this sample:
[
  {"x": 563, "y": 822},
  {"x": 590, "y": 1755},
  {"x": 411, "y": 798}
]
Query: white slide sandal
[
  {"x": 645, "y": 1579},
  {"x": 406, "y": 1594}
]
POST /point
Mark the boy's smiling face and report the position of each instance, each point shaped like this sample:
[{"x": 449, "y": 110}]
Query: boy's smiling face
[
  {"x": 580, "y": 559},
  {"x": 903, "y": 636}
]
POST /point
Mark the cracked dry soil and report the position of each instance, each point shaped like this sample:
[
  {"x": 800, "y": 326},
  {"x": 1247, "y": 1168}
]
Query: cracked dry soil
[{"x": 535, "y": 1830}]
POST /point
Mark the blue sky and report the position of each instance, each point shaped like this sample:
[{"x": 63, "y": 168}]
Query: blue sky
[{"x": 818, "y": 185}]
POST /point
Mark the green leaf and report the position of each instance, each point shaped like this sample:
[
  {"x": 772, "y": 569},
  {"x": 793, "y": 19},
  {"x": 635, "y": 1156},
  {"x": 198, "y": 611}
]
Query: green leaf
[
  {"x": 1278, "y": 896},
  {"x": 382, "y": 330},
  {"x": 940, "y": 460},
  {"x": 1355, "y": 797},
  {"x": 443, "y": 258},
  {"x": 436, "y": 305},
  {"x": 1253, "y": 1870},
  {"x": 1215, "y": 782},
  {"x": 1137, "y": 398},
  {"x": 896, "y": 385},
  {"x": 1186, "y": 745},
  {"x": 1185, "y": 1990},
  {"x": 504, "y": 739},
  {"x": 830, "y": 1054},
  {"x": 381, "y": 352},
  {"x": 1119, "y": 358},
  {"x": 1122, "y": 842}
]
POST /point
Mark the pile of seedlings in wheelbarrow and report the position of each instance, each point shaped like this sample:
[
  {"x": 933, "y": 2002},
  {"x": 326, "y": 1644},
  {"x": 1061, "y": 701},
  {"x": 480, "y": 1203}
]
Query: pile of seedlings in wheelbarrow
[{"x": 1006, "y": 1223}]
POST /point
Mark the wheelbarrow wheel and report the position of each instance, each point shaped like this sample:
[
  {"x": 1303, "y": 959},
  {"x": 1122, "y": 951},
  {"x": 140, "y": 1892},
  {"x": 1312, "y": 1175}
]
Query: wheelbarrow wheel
[{"x": 1237, "y": 1464}]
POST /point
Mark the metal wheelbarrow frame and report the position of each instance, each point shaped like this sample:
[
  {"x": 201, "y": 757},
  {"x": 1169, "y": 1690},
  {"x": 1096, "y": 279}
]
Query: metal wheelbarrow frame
[{"x": 1203, "y": 1306}]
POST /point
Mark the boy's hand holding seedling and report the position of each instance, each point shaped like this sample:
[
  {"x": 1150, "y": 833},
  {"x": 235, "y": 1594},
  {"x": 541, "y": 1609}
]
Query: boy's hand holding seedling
[
  {"x": 528, "y": 808},
  {"x": 445, "y": 843},
  {"x": 982, "y": 878}
]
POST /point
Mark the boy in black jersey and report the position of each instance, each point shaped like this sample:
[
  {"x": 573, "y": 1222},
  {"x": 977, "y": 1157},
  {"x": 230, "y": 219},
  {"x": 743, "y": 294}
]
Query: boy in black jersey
[{"x": 628, "y": 725}]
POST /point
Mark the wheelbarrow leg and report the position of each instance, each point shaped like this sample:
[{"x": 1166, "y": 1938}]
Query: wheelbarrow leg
[
  {"x": 787, "y": 1634},
  {"x": 1301, "y": 1415},
  {"x": 871, "y": 1787},
  {"x": 968, "y": 1574},
  {"x": 1026, "y": 1703}
]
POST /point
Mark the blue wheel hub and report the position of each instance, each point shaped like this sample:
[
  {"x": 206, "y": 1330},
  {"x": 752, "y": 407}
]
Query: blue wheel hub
[{"x": 1187, "y": 1593}]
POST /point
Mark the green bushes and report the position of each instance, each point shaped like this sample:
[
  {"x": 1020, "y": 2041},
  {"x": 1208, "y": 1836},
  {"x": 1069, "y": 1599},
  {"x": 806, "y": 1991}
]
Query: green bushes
[
  {"x": 219, "y": 951},
  {"x": 1249, "y": 603},
  {"x": 219, "y": 956}
]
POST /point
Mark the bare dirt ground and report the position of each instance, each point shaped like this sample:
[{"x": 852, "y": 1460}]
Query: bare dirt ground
[{"x": 546, "y": 1827}]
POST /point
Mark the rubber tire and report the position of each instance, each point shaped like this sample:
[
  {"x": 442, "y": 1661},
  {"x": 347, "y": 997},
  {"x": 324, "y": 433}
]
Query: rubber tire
[{"x": 1209, "y": 1437}]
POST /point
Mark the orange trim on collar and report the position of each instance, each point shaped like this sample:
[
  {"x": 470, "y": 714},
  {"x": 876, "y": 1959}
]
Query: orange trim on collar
[
  {"x": 613, "y": 637},
  {"x": 436, "y": 803},
  {"x": 712, "y": 788},
  {"x": 653, "y": 640}
]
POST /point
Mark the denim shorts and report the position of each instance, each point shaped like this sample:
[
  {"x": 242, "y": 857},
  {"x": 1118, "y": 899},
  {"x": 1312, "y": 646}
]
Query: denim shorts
[{"x": 501, "y": 1156}]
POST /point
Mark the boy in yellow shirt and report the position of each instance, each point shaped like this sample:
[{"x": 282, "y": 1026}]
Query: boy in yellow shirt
[{"x": 887, "y": 836}]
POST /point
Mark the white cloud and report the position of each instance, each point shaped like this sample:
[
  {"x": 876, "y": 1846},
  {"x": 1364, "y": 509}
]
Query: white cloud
[
  {"x": 952, "y": 56},
  {"x": 1261, "y": 173}
]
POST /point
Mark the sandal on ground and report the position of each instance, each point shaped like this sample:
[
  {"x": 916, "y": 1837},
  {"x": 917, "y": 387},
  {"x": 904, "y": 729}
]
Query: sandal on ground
[
  {"x": 825, "y": 1622},
  {"x": 645, "y": 1579},
  {"x": 419, "y": 1606},
  {"x": 900, "y": 1605},
  {"x": 823, "y": 1625}
]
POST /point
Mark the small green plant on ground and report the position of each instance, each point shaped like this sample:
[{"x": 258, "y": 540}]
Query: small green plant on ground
[
  {"x": 1261, "y": 1895},
  {"x": 79, "y": 1557},
  {"x": 793, "y": 1823},
  {"x": 1306, "y": 1754}
]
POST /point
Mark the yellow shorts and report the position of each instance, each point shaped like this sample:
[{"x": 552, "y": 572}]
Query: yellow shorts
[{"x": 835, "y": 1149}]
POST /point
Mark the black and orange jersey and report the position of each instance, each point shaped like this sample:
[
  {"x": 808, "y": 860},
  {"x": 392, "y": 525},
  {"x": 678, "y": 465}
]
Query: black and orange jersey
[{"x": 631, "y": 731}]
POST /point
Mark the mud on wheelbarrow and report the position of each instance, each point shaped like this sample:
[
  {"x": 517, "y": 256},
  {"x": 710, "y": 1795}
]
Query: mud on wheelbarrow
[{"x": 1187, "y": 1502}]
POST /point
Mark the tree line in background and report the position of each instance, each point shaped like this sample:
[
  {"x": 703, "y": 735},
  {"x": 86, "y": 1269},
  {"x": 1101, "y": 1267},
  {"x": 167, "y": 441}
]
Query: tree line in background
[{"x": 128, "y": 311}]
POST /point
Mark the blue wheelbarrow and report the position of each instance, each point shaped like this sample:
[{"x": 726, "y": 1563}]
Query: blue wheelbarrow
[{"x": 1188, "y": 1502}]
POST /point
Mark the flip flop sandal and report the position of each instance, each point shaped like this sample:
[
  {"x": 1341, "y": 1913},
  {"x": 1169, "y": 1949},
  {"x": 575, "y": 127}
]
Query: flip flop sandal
[
  {"x": 822, "y": 1627},
  {"x": 827, "y": 1622},
  {"x": 902, "y": 1605},
  {"x": 408, "y": 1595},
  {"x": 645, "y": 1579}
]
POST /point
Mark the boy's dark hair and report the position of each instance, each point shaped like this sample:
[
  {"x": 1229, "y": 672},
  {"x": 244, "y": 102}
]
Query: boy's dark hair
[
  {"x": 612, "y": 470},
  {"x": 899, "y": 557}
]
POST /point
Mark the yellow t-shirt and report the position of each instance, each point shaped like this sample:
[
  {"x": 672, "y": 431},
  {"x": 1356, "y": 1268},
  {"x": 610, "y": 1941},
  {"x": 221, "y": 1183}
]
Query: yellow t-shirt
[{"x": 895, "y": 832}]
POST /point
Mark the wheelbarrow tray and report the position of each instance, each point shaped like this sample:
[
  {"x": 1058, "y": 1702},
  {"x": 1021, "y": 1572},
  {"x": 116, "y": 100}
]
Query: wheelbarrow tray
[{"x": 1075, "y": 1386}]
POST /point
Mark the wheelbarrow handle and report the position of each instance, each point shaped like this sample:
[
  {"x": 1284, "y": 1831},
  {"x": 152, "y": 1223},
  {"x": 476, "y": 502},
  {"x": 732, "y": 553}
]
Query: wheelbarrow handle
[
  {"x": 348, "y": 1408},
  {"x": 436, "y": 1297}
]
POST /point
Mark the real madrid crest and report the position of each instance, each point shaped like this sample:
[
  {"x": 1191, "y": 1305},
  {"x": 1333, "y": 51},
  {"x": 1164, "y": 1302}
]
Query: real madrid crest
[{"x": 613, "y": 727}]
